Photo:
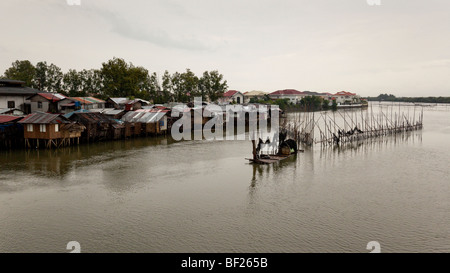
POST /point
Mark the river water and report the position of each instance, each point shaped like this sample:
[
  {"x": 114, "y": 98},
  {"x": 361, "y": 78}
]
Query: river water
[{"x": 158, "y": 195}]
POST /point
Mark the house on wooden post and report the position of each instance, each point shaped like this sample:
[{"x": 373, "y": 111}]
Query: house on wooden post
[
  {"x": 154, "y": 121},
  {"x": 11, "y": 133},
  {"x": 98, "y": 126},
  {"x": 50, "y": 130}
]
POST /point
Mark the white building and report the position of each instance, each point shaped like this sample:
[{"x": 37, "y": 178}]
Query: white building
[
  {"x": 293, "y": 95},
  {"x": 14, "y": 95},
  {"x": 344, "y": 97},
  {"x": 232, "y": 96}
]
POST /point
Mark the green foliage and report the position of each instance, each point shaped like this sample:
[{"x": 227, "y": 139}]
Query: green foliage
[
  {"x": 325, "y": 104},
  {"x": 311, "y": 103},
  {"x": 117, "y": 78},
  {"x": 334, "y": 106},
  {"x": 48, "y": 77},
  {"x": 121, "y": 79},
  {"x": 390, "y": 97},
  {"x": 21, "y": 71}
]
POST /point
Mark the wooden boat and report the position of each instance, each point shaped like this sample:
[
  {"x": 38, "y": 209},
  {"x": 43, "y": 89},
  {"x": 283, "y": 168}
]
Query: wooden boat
[{"x": 268, "y": 159}]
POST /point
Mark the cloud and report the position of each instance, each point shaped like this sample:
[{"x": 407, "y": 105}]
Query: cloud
[{"x": 142, "y": 28}]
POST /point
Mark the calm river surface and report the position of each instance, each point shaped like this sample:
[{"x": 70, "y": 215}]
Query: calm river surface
[{"x": 157, "y": 195}]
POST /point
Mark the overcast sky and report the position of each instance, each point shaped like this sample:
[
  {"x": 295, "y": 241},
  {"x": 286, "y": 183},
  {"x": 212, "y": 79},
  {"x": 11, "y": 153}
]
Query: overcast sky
[{"x": 400, "y": 47}]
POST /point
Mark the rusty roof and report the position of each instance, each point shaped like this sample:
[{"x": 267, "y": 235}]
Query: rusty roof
[
  {"x": 91, "y": 117},
  {"x": 52, "y": 96},
  {"x": 6, "y": 118},
  {"x": 43, "y": 118}
]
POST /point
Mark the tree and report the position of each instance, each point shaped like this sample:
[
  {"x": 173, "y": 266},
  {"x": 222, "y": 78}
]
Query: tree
[
  {"x": 325, "y": 104},
  {"x": 91, "y": 82},
  {"x": 189, "y": 85},
  {"x": 21, "y": 71},
  {"x": 212, "y": 85},
  {"x": 48, "y": 77},
  {"x": 167, "y": 90},
  {"x": 177, "y": 87},
  {"x": 121, "y": 79},
  {"x": 73, "y": 84},
  {"x": 334, "y": 105},
  {"x": 311, "y": 103}
]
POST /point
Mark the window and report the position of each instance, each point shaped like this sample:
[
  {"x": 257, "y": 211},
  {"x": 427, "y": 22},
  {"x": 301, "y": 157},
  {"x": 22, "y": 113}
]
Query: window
[
  {"x": 39, "y": 104},
  {"x": 43, "y": 128},
  {"x": 11, "y": 104},
  {"x": 30, "y": 127},
  {"x": 56, "y": 127}
]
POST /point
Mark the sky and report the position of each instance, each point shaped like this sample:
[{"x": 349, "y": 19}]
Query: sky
[{"x": 400, "y": 47}]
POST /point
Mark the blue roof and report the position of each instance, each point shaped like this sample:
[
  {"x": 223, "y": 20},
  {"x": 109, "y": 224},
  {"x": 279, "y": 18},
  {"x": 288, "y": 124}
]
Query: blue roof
[{"x": 68, "y": 115}]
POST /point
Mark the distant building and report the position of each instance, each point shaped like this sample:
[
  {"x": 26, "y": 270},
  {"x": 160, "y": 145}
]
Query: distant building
[
  {"x": 344, "y": 97},
  {"x": 14, "y": 95},
  {"x": 232, "y": 96},
  {"x": 255, "y": 95},
  {"x": 293, "y": 95}
]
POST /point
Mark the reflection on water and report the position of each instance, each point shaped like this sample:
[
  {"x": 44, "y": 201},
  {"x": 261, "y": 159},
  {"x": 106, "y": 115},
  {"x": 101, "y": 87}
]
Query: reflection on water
[{"x": 158, "y": 195}]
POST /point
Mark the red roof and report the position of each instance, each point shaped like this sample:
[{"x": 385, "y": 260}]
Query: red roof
[
  {"x": 287, "y": 92},
  {"x": 6, "y": 119},
  {"x": 230, "y": 93},
  {"x": 345, "y": 93},
  {"x": 52, "y": 96}
]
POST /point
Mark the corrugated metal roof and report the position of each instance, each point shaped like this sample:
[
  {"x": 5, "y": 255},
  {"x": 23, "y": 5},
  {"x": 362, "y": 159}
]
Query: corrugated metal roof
[
  {"x": 113, "y": 112},
  {"x": 143, "y": 117},
  {"x": 14, "y": 82},
  {"x": 87, "y": 100},
  {"x": 90, "y": 117},
  {"x": 6, "y": 119},
  {"x": 21, "y": 91},
  {"x": 52, "y": 96},
  {"x": 43, "y": 118},
  {"x": 119, "y": 100}
]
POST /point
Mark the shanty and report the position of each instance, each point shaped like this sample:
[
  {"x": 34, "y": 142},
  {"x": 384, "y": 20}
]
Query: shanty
[{"x": 51, "y": 129}]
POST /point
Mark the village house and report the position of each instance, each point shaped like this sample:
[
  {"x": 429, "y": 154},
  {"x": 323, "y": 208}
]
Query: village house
[
  {"x": 14, "y": 95},
  {"x": 87, "y": 103},
  {"x": 232, "y": 96},
  {"x": 51, "y": 129},
  {"x": 254, "y": 95},
  {"x": 293, "y": 95},
  {"x": 11, "y": 133},
  {"x": 126, "y": 104},
  {"x": 98, "y": 126},
  {"x": 47, "y": 102},
  {"x": 344, "y": 97},
  {"x": 150, "y": 121}
]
